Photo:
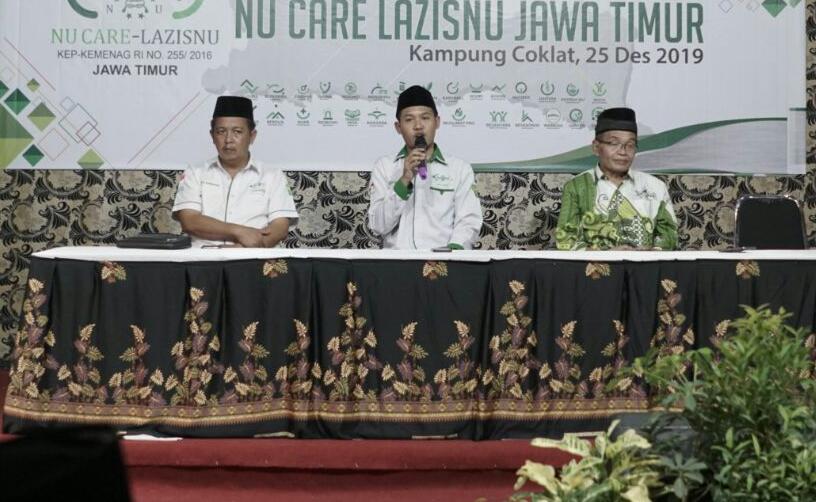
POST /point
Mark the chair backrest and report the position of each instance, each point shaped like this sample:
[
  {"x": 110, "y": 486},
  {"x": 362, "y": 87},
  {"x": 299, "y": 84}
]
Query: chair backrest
[{"x": 769, "y": 222}]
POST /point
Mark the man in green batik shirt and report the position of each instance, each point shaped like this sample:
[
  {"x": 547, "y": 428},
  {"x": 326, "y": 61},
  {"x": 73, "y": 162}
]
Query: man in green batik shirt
[{"x": 613, "y": 206}]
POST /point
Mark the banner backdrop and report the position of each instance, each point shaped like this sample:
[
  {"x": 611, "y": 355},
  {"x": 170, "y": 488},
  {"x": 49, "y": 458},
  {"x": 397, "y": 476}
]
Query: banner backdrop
[{"x": 719, "y": 86}]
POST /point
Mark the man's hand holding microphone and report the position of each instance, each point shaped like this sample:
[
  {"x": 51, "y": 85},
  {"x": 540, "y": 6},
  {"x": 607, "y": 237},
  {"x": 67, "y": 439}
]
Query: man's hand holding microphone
[{"x": 415, "y": 162}]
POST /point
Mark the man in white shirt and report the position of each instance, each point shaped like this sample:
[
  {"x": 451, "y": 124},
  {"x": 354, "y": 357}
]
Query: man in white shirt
[
  {"x": 234, "y": 200},
  {"x": 421, "y": 199}
]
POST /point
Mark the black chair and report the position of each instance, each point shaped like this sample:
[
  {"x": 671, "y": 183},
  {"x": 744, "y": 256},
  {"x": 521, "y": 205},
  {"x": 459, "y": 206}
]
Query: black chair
[{"x": 769, "y": 222}]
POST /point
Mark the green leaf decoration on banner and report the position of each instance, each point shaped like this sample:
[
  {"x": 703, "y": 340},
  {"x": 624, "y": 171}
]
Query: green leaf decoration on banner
[{"x": 582, "y": 158}]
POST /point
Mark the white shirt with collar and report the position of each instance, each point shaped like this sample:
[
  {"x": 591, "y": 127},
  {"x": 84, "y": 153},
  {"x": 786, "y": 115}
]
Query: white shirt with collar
[
  {"x": 255, "y": 197},
  {"x": 644, "y": 191},
  {"x": 439, "y": 210}
]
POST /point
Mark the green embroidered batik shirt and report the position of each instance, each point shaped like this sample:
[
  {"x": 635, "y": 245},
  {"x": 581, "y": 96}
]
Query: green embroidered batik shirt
[{"x": 597, "y": 214}]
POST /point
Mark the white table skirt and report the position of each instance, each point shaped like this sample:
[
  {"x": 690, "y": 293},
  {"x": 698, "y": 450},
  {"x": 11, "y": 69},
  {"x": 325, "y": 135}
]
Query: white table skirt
[{"x": 112, "y": 253}]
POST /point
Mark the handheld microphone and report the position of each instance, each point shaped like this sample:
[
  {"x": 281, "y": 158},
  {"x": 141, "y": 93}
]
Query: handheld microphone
[{"x": 420, "y": 142}]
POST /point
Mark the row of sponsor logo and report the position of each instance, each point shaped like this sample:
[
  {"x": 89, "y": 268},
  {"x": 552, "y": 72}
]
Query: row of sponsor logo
[
  {"x": 451, "y": 90},
  {"x": 498, "y": 119}
]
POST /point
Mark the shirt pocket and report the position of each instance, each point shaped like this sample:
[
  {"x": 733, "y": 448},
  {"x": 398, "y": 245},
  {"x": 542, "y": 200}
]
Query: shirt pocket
[
  {"x": 256, "y": 203},
  {"x": 212, "y": 200},
  {"x": 442, "y": 207}
]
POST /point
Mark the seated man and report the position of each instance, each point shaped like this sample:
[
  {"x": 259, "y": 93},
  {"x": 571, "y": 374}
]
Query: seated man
[
  {"x": 421, "y": 199},
  {"x": 612, "y": 205},
  {"x": 233, "y": 200}
]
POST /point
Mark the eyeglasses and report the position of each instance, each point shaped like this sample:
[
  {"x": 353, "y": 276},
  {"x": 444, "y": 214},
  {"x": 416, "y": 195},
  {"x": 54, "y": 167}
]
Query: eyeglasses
[{"x": 629, "y": 147}]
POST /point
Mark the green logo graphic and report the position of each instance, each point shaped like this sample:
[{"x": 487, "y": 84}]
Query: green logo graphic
[
  {"x": 327, "y": 116},
  {"x": 476, "y": 89},
  {"x": 595, "y": 112},
  {"x": 303, "y": 114},
  {"x": 498, "y": 117},
  {"x": 352, "y": 114},
  {"x": 499, "y": 89},
  {"x": 189, "y": 11},
  {"x": 275, "y": 115},
  {"x": 275, "y": 90},
  {"x": 459, "y": 115},
  {"x": 138, "y": 9},
  {"x": 247, "y": 85},
  {"x": 525, "y": 117},
  {"x": 325, "y": 87},
  {"x": 521, "y": 88},
  {"x": 82, "y": 11},
  {"x": 304, "y": 89},
  {"x": 351, "y": 89},
  {"x": 573, "y": 90},
  {"x": 135, "y": 7},
  {"x": 378, "y": 90},
  {"x": 599, "y": 89},
  {"x": 576, "y": 115},
  {"x": 453, "y": 88},
  {"x": 547, "y": 88},
  {"x": 376, "y": 115}
]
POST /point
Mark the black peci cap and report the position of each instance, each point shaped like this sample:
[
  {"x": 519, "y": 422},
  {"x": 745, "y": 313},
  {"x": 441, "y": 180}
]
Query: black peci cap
[
  {"x": 233, "y": 106},
  {"x": 616, "y": 119},
  {"x": 415, "y": 95}
]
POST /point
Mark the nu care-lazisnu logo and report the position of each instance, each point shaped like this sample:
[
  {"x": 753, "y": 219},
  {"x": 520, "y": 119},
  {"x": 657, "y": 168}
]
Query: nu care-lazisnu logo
[{"x": 135, "y": 9}]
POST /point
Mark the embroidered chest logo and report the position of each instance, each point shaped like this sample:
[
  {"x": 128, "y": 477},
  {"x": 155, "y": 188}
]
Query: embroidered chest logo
[
  {"x": 646, "y": 194},
  {"x": 442, "y": 182}
]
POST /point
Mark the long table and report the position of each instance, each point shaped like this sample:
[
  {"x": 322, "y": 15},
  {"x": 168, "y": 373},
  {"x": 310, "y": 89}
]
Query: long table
[{"x": 369, "y": 344}]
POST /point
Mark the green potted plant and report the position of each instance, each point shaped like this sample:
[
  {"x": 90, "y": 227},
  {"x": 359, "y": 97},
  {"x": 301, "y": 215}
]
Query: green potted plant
[{"x": 750, "y": 403}]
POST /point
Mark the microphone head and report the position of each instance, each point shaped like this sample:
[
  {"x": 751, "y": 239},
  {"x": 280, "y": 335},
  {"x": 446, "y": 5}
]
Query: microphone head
[{"x": 420, "y": 142}]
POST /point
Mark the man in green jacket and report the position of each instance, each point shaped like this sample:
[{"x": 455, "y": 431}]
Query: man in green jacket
[{"x": 613, "y": 206}]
